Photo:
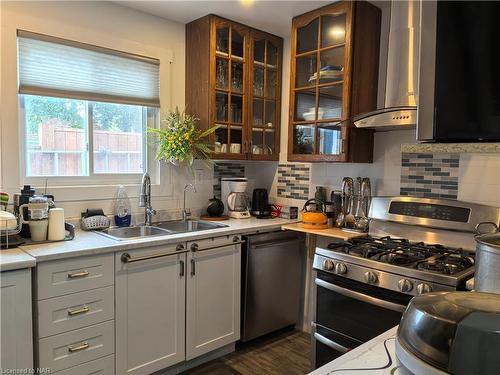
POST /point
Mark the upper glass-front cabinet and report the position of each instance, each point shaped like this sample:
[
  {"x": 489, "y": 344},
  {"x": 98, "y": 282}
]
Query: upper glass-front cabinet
[
  {"x": 243, "y": 73},
  {"x": 322, "y": 77}
]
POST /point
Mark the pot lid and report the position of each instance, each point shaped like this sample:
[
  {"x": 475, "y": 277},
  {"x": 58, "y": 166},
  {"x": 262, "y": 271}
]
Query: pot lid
[{"x": 490, "y": 239}]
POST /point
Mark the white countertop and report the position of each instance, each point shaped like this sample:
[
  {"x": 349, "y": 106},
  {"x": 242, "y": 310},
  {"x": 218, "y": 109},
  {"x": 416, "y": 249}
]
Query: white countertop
[
  {"x": 86, "y": 243},
  {"x": 375, "y": 357},
  {"x": 13, "y": 259}
]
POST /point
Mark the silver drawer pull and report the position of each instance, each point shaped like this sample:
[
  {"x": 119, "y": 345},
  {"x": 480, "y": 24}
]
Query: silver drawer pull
[
  {"x": 81, "y": 310},
  {"x": 126, "y": 258},
  {"x": 195, "y": 246},
  {"x": 82, "y": 346},
  {"x": 76, "y": 275}
]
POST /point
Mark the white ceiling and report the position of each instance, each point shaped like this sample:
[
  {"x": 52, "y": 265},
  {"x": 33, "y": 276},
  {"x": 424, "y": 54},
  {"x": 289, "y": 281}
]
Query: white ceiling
[{"x": 271, "y": 16}]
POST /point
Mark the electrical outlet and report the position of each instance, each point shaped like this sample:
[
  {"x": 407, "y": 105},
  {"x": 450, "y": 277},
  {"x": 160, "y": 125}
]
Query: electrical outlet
[{"x": 198, "y": 176}]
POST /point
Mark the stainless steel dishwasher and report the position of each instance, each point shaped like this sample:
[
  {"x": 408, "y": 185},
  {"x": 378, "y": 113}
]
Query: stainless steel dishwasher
[{"x": 272, "y": 282}]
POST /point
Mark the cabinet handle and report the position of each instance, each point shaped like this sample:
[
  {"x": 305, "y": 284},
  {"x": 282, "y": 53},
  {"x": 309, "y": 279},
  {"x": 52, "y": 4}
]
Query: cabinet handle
[
  {"x": 179, "y": 247},
  {"x": 82, "y": 346},
  {"x": 81, "y": 310},
  {"x": 76, "y": 275},
  {"x": 195, "y": 247},
  {"x": 126, "y": 258},
  {"x": 181, "y": 274},
  {"x": 193, "y": 267}
]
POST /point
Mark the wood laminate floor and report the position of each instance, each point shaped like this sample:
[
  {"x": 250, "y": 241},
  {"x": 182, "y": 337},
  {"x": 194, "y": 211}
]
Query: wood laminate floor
[{"x": 283, "y": 353}]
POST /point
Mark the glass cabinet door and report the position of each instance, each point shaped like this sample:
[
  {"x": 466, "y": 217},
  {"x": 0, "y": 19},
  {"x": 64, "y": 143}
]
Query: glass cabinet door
[
  {"x": 264, "y": 121},
  {"x": 318, "y": 93},
  {"x": 230, "y": 96}
]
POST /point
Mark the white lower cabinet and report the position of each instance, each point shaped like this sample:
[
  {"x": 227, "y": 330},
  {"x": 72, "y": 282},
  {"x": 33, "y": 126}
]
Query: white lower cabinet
[
  {"x": 213, "y": 295},
  {"x": 16, "y": 320},
  {"x": 150, "y": 287}
]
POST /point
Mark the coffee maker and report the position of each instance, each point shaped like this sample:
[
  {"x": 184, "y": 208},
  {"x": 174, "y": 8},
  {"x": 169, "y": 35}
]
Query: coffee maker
[{"x": 233, "y": 191}]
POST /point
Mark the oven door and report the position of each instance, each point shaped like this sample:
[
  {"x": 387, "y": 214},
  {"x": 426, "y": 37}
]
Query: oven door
[
  {"x": 328, "y": 345},
  {"x": 356, "y": 309}
]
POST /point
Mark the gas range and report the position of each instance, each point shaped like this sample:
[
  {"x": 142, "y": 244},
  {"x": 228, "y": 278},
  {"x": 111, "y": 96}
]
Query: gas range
[{"x": 415, "y": 245}]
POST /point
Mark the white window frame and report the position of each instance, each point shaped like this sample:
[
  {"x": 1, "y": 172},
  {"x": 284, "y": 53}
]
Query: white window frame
[{"x": 93, "y": 179}]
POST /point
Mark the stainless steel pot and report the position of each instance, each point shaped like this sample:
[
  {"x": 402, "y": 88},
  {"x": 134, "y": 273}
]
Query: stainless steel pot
[{"x": 487, "y": 274}]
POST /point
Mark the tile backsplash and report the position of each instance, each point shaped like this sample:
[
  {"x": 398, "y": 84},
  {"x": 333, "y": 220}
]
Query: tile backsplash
[
  {"x": 293, "y": 181},
  {"x": 225, "y": 170},
  {"x": 430, "y": 175}
]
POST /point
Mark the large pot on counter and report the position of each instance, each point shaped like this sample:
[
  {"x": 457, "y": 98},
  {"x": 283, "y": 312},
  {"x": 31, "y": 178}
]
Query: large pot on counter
[{"x": 487, "y": 273}]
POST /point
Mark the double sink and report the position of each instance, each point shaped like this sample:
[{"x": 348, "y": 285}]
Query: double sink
[{"x": 164, "y": 228}]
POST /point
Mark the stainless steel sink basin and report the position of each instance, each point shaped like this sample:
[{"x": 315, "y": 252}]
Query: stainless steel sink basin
[
  {"x": 188, "y": 226},
  {"x": 140, "y": 231}
]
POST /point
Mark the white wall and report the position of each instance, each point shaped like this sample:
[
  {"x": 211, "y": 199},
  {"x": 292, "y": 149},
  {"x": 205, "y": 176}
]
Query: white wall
[{"x": 107, "y": 25}]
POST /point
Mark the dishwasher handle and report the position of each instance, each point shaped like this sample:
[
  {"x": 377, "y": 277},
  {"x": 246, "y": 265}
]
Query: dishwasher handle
[{"x": 274, "y": 243}]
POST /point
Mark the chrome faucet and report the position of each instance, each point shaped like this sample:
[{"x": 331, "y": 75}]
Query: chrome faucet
[
  {"x": 186, "y": 212},
  {"x": 145, "y": 199}
]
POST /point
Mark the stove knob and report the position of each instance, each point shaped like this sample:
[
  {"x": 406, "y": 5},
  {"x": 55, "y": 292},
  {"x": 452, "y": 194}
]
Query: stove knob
[
  {"x": 423, "y": 288},
  {"x": 405, "y": 285},
  {"x": 328, "y": 265},
  {"x": 340, "y": 269},
  {"x": 371, "y": 277}
]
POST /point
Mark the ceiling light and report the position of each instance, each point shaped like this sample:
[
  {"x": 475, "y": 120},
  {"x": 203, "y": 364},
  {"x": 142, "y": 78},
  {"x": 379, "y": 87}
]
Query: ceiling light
[{"x": 247, "y": 3}]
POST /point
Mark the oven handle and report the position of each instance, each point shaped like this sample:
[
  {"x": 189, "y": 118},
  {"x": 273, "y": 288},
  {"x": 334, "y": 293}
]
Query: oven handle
[
  {"x": 331, "y": 344},
  {"x": 360, "y": 296}
]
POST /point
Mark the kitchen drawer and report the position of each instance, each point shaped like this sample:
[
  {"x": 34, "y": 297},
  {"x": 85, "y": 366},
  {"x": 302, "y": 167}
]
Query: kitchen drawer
[
  {"x": 101, "y": 366},
  {"x": 73, "y": 348},
  {"x": 67, "y": 276},
  {"x": 77, "y": 310}
]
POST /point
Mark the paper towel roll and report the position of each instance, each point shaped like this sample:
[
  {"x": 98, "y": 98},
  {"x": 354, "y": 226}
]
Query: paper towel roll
[{"x": 56, "y": 224}]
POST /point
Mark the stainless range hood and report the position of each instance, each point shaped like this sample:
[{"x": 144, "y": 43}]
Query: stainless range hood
[{"x": 401, "y": 90}]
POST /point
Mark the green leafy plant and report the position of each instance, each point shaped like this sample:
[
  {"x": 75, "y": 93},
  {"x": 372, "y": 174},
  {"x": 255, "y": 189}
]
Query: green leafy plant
[{"x": 179, "y": 141}]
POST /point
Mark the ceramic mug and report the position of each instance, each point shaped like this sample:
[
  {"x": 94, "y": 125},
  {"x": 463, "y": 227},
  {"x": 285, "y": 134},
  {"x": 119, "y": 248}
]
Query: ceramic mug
[
  {"x": 223, "y": 148},
  {"x": 235, "y": 148},
  {"x": 217, "y": 147}
]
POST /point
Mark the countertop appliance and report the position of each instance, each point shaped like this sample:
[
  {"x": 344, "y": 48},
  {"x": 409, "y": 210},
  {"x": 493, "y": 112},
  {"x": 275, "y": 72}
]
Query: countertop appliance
[
  {"x": 233, "y": 191},
  {"x": 260, "y": 204},
  {"x": 414, "y": 246},
  {"x": 272, "y": 279},
  {"x": 450, "y": 332},
  {"x": 459, "y": 80}
]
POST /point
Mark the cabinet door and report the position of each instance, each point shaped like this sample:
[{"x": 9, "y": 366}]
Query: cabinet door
[
  {"x": 230, "y": 53},
  {"x": 320, "y": 84},
  {"x": 16, "y": 322},
  {"x": 213, "y": 296},
  {"x": 150, "y": 310},
  {"x": 265, "y": 94}
]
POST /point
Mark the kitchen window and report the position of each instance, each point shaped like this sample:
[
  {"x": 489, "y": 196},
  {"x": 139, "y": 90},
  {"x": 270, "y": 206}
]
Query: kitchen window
[{"x": 85, "y": 110}]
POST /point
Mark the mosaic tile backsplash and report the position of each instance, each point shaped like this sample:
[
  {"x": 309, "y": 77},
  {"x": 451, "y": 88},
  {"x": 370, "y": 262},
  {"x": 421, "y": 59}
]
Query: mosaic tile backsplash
[
  {"x": 293, "y": 181},
  {"x": 226, "y": 170},
  {"x": 430, "y": 175}
]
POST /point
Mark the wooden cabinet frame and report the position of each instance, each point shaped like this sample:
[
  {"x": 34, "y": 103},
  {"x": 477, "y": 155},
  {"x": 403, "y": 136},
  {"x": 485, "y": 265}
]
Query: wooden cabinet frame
[
  {"x": 360, "y": 79},
  {"x": 201, "y": 58}
]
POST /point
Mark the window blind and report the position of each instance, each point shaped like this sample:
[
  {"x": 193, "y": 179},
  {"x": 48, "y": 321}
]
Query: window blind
[{"x": 58, "y": 67}]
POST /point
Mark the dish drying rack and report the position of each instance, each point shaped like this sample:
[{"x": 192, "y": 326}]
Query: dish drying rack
[{"x": 6, "y": 233}]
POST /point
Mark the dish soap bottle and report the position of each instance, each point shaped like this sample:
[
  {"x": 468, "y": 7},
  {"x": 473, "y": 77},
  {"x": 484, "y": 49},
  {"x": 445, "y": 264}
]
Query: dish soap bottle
[{"x": 122, "y": 208}]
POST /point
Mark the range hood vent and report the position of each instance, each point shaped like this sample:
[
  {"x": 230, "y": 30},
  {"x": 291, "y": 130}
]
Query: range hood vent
[{"x": 401, "y": 89}]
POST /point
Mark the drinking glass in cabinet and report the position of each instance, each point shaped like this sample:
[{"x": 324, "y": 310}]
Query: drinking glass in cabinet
[
  {"x": 237, "y": 77},
  {"x": 305, "y": 105},
  {"x": 333, "y": 30},
  {"x": 259, "y": 47},
  {"x": 221, "y": 138},
  {"x": 270, "y": 113},
  {"x": 272, "y": 55},
  {"x": 236, "y": 109},
  {"x": 257, "y": 142},
  {"x": 303, "y": 139},
  {"x": 330, "y": 102},
  {"x": 307, "y": 37},
  {"x": 329, "y": 139},
  {"x": 221, "y": 106},
  {"x": 258, "y": 82},
  {"x": 222, "y": 41},
  {"x": 305, "y": 71},
  {"x": 236, "y": 44},
  {"x": 258, "y": 112},
  {"x": 221, "y": 74},
  {"x": 269, "y": 142},
  {"x": 236, "y": 136},
  {"x": 271, "y": 84}
]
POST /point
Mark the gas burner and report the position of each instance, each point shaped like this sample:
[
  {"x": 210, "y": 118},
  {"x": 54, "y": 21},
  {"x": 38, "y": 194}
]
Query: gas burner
[{"x": 447, "y": 264}]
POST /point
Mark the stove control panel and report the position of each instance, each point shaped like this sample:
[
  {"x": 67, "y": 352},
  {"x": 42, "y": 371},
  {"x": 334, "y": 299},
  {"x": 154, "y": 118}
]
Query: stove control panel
[
  {"x": 430, "y": 211},
  {"x": 423, "y": 288},
  {"x": 405, "y": 285},
  {"x": 371, "y": 277}
]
